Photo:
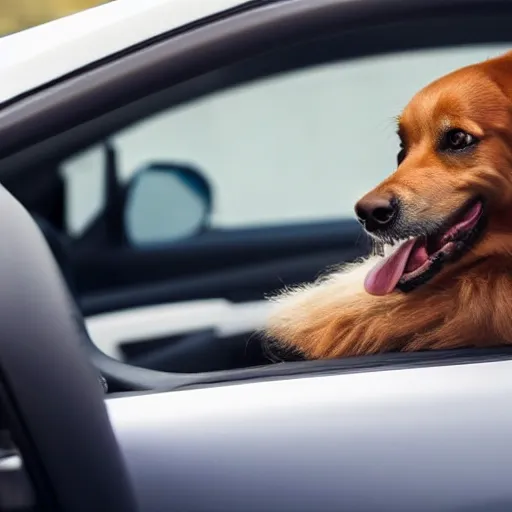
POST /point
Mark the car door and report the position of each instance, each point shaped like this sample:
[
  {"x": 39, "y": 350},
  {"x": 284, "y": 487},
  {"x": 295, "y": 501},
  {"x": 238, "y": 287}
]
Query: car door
[{"x": 273, "y": 110}]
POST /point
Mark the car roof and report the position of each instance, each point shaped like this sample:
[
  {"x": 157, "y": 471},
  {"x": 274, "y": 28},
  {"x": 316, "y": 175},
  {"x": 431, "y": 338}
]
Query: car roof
[{"x": 36, "y": 56}]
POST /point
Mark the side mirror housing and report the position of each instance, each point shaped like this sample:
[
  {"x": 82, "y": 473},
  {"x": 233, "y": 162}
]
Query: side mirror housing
[{"x": 166, "y": 202}]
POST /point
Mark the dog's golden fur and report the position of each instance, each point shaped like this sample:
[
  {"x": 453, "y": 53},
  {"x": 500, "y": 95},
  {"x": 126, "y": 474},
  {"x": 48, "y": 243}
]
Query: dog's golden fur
[{"x": 468, "y": 303}]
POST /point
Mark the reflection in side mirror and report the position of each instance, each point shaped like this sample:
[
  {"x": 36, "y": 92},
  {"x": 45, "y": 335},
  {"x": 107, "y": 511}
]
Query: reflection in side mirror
[{"x": 166, "y": 203}]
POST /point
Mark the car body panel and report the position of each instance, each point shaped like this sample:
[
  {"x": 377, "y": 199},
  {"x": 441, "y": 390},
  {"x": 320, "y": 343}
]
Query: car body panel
[
  {"x": 419, "y": 439},
  {"x": 38, "y": 55}
]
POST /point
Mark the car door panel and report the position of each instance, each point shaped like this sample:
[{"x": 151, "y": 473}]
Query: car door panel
[
  {"x": 205, "y": 300},
  {"x": 240, "y": 265},
  {"x": 120, "y": 333}
]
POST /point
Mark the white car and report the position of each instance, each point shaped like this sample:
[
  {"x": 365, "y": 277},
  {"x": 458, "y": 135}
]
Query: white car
[{"x": 184, "y": 159}]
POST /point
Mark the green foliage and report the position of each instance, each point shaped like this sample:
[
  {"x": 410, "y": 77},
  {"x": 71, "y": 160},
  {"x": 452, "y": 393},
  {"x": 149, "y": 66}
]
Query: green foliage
[{"x": 16, "y": 15}]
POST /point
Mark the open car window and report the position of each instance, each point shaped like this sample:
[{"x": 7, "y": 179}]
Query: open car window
[
  {"x": 290, "y": 150},
  {"x": 196, "y": 197}
]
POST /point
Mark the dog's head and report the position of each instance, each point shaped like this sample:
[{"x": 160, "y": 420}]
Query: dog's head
[{"x": 449, "y": 202}]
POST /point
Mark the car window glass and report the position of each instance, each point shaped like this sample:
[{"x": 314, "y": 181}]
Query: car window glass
[{"x": 296, "y": 147}]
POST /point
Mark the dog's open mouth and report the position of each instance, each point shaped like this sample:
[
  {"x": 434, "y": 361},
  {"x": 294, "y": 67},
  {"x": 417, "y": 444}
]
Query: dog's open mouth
[{"x": 418, "y": 260}]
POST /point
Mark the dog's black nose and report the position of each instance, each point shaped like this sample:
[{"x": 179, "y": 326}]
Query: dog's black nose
[{"x": 376, "y": 212}]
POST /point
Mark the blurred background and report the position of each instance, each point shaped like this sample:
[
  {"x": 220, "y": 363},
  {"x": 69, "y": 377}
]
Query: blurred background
[{"x": 16, "y": 15}]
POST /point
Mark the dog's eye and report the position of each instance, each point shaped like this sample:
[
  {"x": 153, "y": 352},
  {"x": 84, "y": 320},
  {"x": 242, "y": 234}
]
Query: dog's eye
[
  {"x": 456, "y": 140},
  {"x": 400, "y": 157}
]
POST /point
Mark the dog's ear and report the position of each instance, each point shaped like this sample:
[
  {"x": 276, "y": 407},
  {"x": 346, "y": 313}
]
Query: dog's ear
[
  {"x": 499, "y": 69},
  {"x": 505, "y": 56}
]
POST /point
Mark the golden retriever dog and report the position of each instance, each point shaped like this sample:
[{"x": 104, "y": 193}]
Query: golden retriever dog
[{"x": 442, "y": 223}]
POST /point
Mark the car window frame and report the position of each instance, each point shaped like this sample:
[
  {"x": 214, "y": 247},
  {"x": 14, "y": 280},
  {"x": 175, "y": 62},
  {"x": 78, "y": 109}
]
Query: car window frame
[{"x": 77, "y": 101}]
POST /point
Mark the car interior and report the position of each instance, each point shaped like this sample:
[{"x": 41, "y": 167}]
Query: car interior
[{"x": 243, "y": 265}]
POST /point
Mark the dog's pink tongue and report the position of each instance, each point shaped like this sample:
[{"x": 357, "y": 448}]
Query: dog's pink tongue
[{"x": 383, "y": 278}]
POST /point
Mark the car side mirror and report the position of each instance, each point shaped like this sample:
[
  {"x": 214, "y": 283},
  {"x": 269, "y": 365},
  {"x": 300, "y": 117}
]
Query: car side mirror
[{"x": 165, "y": 203}]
